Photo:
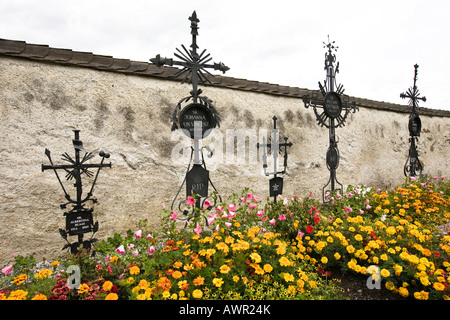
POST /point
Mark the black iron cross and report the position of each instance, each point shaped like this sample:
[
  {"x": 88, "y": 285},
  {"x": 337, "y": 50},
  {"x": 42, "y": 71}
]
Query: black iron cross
[
  {"x": 198, "y": 118},
  {"x": 275, "y": 147},
  {"x": 194, "y": 64},
  {"x": 79, "y": 219},
  {"x": 335, "y": 109},
  {"x": 413, "y": 166}
]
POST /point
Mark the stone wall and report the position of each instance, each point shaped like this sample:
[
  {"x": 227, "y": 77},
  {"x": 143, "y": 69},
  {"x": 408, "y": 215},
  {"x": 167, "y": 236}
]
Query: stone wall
[{"x": 127, "y": 115}]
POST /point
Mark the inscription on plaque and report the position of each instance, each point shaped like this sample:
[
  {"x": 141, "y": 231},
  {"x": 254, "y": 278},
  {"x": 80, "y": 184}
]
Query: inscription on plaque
[
  {"x": 332, "y": 105},
  {"x": 78, "y": 222},
  {"x": 193, "y": 113},
  {"x": 197, "y": 181}
]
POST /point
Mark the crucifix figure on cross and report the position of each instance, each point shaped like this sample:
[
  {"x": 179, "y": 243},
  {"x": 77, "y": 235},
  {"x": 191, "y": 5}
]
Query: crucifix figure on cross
[
  {"x": 413, "y": 166},
  {"x": 196, "y": 119},
  {"x": 79, "y": 220},
  {"x": 275, "y": 147},
  {"x": 335, "y": 109}
]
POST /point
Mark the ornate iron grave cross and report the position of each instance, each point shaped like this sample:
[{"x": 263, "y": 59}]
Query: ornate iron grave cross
[
  {"x": 275, "y": 147},
  {"x": 413, "y": 166},
  {"x": 196, "y": 119},
  {"x": 335, "y": 108},
  {"x": 79, "y": 219}
]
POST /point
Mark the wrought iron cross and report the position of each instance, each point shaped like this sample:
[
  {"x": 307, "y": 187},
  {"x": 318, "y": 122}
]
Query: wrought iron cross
[
  {"x": 275, "y": 147},
  {"x": 413, "y": 166},
  {"x": 198, "y": 118},
  {"x": 79, "y": 219},
  {"x": 335, "y": 109}
]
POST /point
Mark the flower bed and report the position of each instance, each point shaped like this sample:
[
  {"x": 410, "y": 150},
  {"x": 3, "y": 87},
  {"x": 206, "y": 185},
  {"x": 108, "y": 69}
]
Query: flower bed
[{"x": 250, "y": 248}]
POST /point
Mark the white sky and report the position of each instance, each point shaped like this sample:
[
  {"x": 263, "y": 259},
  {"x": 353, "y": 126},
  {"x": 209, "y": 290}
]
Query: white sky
[{"x": 277, "y": 41}]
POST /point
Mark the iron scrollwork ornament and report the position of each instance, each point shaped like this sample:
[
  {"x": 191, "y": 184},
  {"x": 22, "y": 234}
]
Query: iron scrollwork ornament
[
  {"x": 331, "y": 108},
  {"x": 196, "y": 119},
  {"x": 79, "y": 219},
  {"x": 413, "y": 166}
]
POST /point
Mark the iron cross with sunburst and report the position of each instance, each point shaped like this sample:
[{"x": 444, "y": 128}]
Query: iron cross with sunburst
[{"x": 331, "y": 110}]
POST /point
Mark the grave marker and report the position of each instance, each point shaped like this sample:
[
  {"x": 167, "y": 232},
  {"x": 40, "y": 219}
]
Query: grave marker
[
  {"x": 79, "y": 220},
  {"x": 413, "y": 166},
  {"x": 196, "y": 119},
  {"x": 335, "y": 108},
  {"x": 275, "y": 147}
]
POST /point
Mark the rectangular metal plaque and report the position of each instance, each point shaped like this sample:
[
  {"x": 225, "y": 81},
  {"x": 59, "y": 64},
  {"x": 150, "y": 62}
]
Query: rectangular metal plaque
[
  {"x": 79, "y": 221},
  {"x": 276, "y": 186},
  {"x": 197, "y": 181}
]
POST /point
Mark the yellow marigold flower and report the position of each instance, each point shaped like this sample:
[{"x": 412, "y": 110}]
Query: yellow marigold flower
[
  {"x": 83, "y": 288},
  {"x": 107, "y": 285},
  {"x": 256, "y": 257},
  {"x": 114, "y": 258},
  {"x": 135, "y": 270},
  {"x": 288, "y": 277},
  {"x": 358, "y": 237},
  {"x": 224, "y": 269},
  {"x": 20, "y": 278},
  {"x": 42, "y": 274},
  {"x": 284, "y": 262},
  {"x": 384, "y": 257},
  {"x": 40, "y": 296},
  {"x": 18, "y": 295},
  {"x": 236, "y": 278},
  {"x": 390, "y": 285},
  {"x": 438, "y": 286},
  {"x": 403, "y": 292},
  {"x": 177, "y": 274},
  {"x": 337, "y": 256},
  {"x": 324, "y": 260},
  {"x": 55, "y": 263},
  {"x": 183, "y": 285},
  {"x": 425, "y": 281},
  {"x": 350, "y": 249},
  {"x": 312, "y": 284},
  {"x": 218, "y": 282},
  {"x": 197, "y": 294},
  {"x": 385, "y": 273},
  {"x": 112, "y": 296},
  {"x": 390, "y": 230},
  {"x": 177, "y": 265},
  {"x": 199, "y": 281},
  {"x": 422, "y": 295},
  {"x": 267, "y": 268}
]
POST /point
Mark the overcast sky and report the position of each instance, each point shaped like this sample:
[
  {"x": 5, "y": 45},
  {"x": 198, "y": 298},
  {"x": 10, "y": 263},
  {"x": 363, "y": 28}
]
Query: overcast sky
[{"x": 276, "y": 41}]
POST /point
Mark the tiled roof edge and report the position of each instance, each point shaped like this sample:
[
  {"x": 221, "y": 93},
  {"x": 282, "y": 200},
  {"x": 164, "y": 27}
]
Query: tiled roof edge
[{"x": 21, "y": 49}]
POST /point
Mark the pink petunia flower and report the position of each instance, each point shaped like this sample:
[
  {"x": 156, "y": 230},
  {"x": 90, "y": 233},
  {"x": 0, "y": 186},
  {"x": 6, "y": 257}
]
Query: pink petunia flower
[
  {"x": 120, "y": 249},
  {"x": 7, "y": 270},
  {"x": 260, "y": 213},
  {"x": 281, "y": 217},
  {"x": 231, "y": 207},
  {"x": 198, "y": 229},
  {"x": 348, "y": 209},
  {"x": 190, "y": 201},
  {"x": 135, "y": 253},
  {"x": 272, "y": 221},
  {"x": 151, "y": 250},
  {"x": 138, "y": 234},
  {"x": 228, "y": 224},
  {"x": 174, "y": 216},
  {"x": 252, "y": 205}
]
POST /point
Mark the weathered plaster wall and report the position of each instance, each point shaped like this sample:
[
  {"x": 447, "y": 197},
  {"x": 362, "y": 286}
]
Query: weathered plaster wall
[{"x": 128, "y": 116}]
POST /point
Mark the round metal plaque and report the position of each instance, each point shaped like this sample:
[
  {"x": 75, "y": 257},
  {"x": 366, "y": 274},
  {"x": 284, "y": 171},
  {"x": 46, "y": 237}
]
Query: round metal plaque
[
  {"x": 332, "y": 105},
  {"x": 194, "y": 116},
  {"x": 332, "y": 158},
  {"x": 415, "y": 126}
]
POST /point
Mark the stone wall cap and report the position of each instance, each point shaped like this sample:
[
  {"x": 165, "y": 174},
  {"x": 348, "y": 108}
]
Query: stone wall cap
[{"x": 39, "y": 52}]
